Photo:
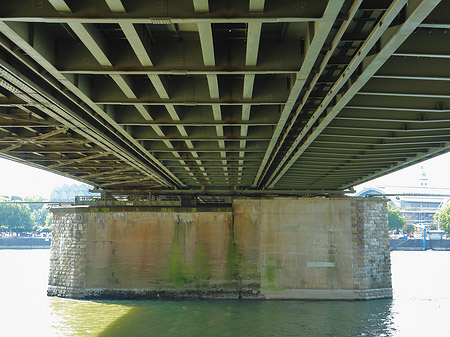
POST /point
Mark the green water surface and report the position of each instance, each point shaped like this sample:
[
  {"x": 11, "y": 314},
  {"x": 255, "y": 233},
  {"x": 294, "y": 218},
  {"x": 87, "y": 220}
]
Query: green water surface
[{"x": 421, "y": 296}]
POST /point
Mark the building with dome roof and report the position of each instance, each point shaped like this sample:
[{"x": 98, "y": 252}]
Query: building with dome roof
[
  {"x": 68, "y": 193},
  {"x": 418, "y": 203}
]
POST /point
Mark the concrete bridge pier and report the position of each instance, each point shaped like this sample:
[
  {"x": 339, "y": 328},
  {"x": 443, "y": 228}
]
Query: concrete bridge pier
[{"x": 268, "y": 248}]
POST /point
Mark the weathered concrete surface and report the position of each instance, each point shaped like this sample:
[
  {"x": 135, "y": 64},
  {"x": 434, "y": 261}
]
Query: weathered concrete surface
[{"x": 282, "y": 248}]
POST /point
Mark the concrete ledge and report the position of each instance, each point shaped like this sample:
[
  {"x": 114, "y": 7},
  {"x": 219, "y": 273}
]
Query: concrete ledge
[
  {"x": 66, "y": 292},
  {"x": 310, "y": 294},
  {"x": 374, "y": 294},
  {"x": 327, "y": 294},
  {"x": 220, "y": 293},
  {"x": 157, "y": 294}
]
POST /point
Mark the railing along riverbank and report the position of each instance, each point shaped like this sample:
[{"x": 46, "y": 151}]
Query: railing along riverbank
[
  {"x": 417, "y": 244},
  {"x": 25, "y": 243}
]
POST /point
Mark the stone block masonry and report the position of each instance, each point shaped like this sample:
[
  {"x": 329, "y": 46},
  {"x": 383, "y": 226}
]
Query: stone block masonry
[{"x": 271, "y": 248}]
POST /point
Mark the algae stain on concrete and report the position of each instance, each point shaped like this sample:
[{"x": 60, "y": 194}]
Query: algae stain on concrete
[
  {"x": 232, "y": 262},
  {"x": 332, "y": 277},
  {"x": 180, "y": 271},
  {"x": 272, "y": 268},
  {"x": 114, "y": 271},
  {"x": 202, "y": 265},
  {"x": 233, "y": 258},
  {"x": 176, "y": 264},
  {"x": 176, "y": 258}
]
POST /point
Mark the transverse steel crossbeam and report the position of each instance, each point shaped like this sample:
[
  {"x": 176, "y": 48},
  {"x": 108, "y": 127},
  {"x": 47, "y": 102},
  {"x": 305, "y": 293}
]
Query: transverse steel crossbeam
[{"x": 226, "y": 96}]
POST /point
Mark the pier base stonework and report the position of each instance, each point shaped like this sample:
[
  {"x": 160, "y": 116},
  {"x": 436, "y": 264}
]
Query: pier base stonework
[{"x": 272, "y": 248}]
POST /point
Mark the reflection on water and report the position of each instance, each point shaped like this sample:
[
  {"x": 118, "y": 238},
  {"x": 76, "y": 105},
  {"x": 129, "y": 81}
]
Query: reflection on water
[
  {"x": 84, "y": 318},
  {"x": 236, "y": 318},
  {"x": 421, "y": 297}
]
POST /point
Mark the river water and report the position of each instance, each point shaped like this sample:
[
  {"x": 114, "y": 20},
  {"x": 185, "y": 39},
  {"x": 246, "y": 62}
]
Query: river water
[{"x": 421, "y": 307}]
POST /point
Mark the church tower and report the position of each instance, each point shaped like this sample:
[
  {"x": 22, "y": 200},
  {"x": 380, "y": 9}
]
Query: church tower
[{"x": 423, "y": 179}]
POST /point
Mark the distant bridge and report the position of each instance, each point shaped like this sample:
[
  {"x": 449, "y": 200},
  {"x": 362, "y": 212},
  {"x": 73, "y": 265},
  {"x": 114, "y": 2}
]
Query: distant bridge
[{"x": 275, "y": 96}]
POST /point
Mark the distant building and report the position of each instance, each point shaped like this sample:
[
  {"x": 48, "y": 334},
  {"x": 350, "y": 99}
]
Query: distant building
[
  {"x": 417, "y": 203},
  {"x": 11, "y": 198},
  {"x": 68, "y": 193}
]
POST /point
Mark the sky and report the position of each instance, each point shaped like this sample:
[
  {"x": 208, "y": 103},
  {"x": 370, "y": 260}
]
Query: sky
[
  {"x": 437, "y": 170},
  {"x": 23, "y": 180}
]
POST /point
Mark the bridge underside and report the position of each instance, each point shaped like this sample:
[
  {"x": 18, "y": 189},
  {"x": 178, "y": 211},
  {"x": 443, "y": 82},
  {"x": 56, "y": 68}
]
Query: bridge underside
[{"x": 309, "y": 96}]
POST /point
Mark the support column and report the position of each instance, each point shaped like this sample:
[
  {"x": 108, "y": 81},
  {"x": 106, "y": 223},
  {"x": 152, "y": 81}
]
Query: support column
[{"x": 269, "y": 248}]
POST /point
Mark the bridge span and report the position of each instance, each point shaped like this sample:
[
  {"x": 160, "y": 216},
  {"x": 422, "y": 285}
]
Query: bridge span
[
  {"x": 234, "y": 98},
  {"x": 224, "y": 95}
]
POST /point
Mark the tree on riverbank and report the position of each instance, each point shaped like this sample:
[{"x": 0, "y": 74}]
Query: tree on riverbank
[
  {"x": 47, "y": 227},
  {"x": 24, "y": 217},
  {"x": 443, "y": 219},
  {"x": 15, "y": 218},
  {"x": 39, "y": 213},
  {"x": 395, "y": 221},
  {"x": 408, "y": 229}
]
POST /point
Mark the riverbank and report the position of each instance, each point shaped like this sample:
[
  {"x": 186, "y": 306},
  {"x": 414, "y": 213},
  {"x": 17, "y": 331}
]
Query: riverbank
[
  {"x": 417, "y": 244},
  {"x": 24, "y": 243},
  {"x": 395, "y": 244}
]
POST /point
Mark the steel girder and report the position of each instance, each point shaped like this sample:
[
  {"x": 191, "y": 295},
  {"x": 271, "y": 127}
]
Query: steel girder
[{"x": 277, "y": 95}]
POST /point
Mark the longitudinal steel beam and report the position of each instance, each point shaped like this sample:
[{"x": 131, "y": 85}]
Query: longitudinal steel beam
[
  {"x": 36, "y": 165},
  {"x": 319, "y": 34},
  {"x": 141, "y": 52},
  {"x": 68, "y": 119},
  {"x": 318, "y": 72},
  {"x": 429, "y": 153},
  {"x": 10, "y": 33},
  {"x": 415, "y": 13},
  {"x": 209, "y": 60}
]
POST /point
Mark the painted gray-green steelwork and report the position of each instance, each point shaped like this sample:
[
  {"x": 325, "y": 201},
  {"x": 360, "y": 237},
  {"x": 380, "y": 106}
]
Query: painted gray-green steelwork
[{"x": 198, "y": 95}]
